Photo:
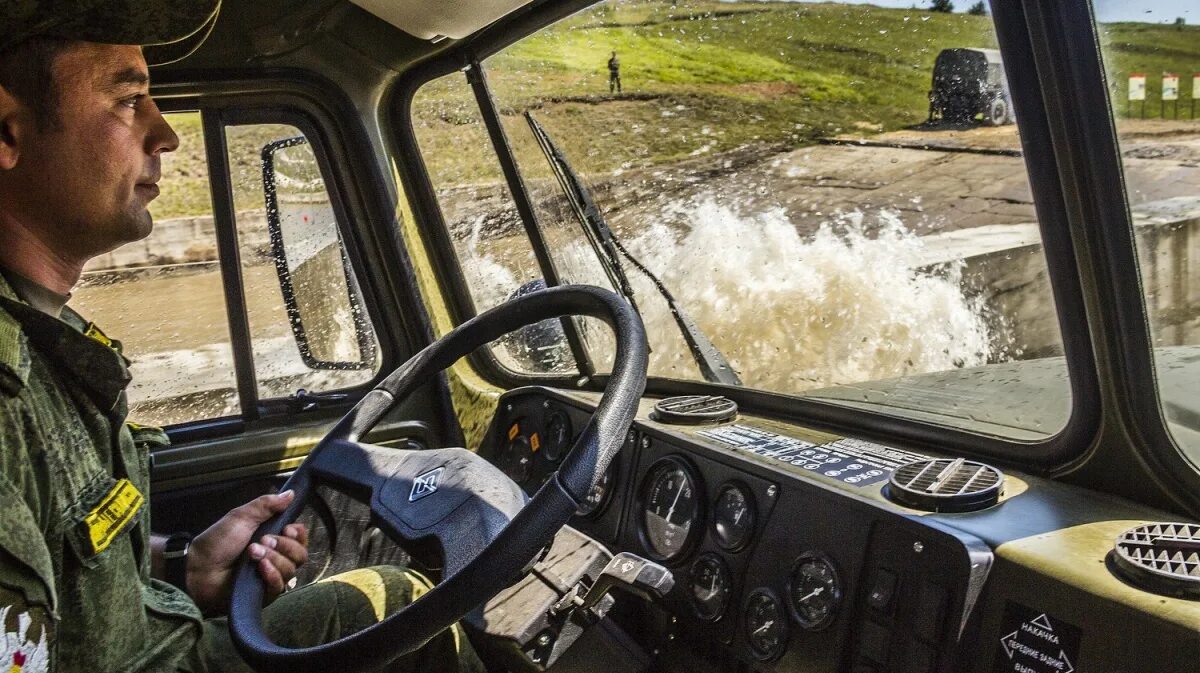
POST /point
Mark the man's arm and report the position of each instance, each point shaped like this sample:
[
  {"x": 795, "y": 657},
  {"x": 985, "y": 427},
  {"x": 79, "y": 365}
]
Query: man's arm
[{"x": 214, "y": 555}]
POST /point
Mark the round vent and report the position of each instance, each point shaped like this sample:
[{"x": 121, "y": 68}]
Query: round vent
[
  {"x": 695, "y": 409},
  {"x": 945, "y": 485},
  {"x": 1161, "y": 557}
]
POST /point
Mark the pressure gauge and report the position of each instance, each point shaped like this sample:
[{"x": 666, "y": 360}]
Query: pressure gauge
[
  {"x": 711, "y": 585},
  {"x": 814, "y": 592},
  {"x": 733, "y": 517},
  {"x": 766, "y": 624}
]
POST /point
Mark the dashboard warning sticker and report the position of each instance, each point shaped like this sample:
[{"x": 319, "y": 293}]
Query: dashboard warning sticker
[
  {"x": 851, "y": 461},
  {"x": 1034, "y": 642}
]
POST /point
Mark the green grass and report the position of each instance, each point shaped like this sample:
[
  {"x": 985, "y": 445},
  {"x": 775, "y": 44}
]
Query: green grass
[
  {"x": 1151, "y": 49},
  {"x": 700, "y": 78},
  {"x": 185, "y": 185}
]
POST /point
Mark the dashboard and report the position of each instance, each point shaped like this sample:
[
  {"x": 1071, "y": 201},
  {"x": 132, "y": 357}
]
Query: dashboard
[
  {"x": 794, "y": 549},
  {"x": 780, "y": 553}
]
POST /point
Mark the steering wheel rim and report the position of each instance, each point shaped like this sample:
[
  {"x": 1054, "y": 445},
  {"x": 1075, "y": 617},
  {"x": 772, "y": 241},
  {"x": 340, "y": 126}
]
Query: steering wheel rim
[{"x": 525, "y": 531}]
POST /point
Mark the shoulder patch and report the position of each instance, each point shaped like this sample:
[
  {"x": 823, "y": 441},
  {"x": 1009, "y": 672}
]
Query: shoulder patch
[{"x": 20, "y": 651}]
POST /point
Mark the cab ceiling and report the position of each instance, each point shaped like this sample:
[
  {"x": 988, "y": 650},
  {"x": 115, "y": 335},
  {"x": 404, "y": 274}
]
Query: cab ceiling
[{"x": 454, "y": 19}]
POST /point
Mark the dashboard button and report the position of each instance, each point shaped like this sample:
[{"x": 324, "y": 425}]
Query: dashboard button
[{"x": 882, "y": 590}]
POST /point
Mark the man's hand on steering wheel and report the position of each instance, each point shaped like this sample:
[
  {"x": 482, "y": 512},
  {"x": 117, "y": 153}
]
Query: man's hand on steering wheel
[
  {"x": 215, "y": 554},
  {"x": 489, "y": 531}
]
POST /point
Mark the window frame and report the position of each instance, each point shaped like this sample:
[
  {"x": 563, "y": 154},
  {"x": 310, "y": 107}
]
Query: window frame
[
  {"x": 295, "y": 103},
  {"x": 1136, "y": 444},
  {"x": 1053, "y": 455}
]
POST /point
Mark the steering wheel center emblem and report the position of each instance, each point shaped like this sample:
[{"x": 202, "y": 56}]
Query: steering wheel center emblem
[{"x": 426, "y": 484}]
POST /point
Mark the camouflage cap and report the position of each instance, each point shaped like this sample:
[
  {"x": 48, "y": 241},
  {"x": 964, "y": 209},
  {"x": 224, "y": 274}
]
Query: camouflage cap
[{"x": 143, "y": 22}]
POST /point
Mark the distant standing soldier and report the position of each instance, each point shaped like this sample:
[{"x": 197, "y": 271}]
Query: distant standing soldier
[{"x": 614, "y": 74}]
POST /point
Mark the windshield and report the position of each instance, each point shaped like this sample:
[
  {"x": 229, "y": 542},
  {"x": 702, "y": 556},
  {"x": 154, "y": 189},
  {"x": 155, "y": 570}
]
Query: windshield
[{"x": 834, "y": 220}]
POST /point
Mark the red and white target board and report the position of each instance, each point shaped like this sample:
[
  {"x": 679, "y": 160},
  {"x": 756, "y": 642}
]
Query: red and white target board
[
  {"x": 1137, "y": 86},
  {"x": 1170, "y": 86}
]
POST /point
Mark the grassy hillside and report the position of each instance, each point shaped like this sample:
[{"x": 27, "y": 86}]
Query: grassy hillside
[
  {"x": 1152, "y": 50},
  {"x": 702, "y": 78},
  {"x": 704, "y": 75}
]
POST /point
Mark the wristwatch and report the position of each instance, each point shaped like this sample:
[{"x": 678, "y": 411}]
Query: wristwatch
[{"x": 175, "y": 559}]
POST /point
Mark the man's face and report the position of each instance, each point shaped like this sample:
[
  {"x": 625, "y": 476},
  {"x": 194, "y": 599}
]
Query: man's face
[{"x": 90, "y": 174}]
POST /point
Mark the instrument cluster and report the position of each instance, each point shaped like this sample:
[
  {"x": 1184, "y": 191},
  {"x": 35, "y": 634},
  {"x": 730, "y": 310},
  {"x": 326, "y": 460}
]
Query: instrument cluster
[{"x": 704, "y": 513}]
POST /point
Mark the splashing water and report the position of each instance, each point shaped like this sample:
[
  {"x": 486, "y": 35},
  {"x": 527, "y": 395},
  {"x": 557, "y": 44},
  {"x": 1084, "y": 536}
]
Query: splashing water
[{"x": 849, "y": 303}]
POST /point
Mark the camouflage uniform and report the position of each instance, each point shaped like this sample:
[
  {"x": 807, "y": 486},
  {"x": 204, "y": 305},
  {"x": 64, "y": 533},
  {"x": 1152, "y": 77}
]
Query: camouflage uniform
[{"x": 64, "y": 447}]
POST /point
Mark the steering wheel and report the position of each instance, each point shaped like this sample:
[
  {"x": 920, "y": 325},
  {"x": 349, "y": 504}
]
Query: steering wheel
[{"x": 489, "y": 531}]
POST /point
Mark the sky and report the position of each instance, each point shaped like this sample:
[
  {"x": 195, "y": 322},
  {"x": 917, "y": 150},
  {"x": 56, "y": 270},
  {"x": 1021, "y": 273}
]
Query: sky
[{"x": 1153, "y": 11}]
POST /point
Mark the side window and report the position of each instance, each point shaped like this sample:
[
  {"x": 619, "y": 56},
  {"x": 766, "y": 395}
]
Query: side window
[
  {"x": 1152, "y": 55},
  {"x": 164, "y": 297}
]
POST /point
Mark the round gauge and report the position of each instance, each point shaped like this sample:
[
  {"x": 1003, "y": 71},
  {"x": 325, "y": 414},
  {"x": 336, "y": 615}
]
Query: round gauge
[
  {"x": 516, "y": 455},
  {"x": 558, "y": 436},
  {"x": 711, "y": 586},
  {"x": 670, "y": 508},
  {"x": 766, "y": 624},
  {"x": 733, "y": 517},
  {"x": 815, "y": 591},
  {"x": 598, "y": 496}
]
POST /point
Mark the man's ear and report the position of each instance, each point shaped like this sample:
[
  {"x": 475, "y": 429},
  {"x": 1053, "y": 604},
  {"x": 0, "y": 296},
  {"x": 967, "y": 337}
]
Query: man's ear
[{"x": 13, "y": 118}]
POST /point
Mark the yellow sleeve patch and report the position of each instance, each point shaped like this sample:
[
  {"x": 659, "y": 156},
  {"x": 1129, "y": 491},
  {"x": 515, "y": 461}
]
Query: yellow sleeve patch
[
  {"x": 93, "y": 332},
  {"x": 113, "y": 514}
]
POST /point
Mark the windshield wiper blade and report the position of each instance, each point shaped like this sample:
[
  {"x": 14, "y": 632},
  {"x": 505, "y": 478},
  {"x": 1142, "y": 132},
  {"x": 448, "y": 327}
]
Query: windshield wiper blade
[{"x": 609, "y": 250}]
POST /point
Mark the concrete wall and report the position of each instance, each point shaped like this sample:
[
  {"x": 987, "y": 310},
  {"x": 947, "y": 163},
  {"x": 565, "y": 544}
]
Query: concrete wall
[
  {"x": 182, "y": 240},
  {"x": 1003, "y": 266}
]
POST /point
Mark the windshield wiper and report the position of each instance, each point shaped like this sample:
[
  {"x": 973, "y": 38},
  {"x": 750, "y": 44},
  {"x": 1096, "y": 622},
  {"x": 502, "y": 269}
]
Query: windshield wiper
[{"x": 609, "y": 250}]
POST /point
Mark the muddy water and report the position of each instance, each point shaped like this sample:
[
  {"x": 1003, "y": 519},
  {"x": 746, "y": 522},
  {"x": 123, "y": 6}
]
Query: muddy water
[
  {"x": 791, "y": 312},
  {"x": 174, "y": 329}
]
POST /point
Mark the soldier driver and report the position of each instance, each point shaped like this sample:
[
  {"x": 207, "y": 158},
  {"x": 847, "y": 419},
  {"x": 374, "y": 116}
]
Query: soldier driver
[{"x": 80, "y": 575}]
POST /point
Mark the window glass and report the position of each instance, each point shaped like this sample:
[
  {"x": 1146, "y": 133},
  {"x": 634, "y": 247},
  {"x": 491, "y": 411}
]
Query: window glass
[
  {"x": 834, "y": 193},
  {"x": 1152, "y": 54},
  {"x": 485, "y": 229},
  {"x": 162, "y": 297},
  {"x": 319, "y": 336}
]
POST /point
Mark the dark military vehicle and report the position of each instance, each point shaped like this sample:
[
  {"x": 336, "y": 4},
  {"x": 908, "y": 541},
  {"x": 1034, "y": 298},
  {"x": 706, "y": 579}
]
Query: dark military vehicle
[{"x": 970, "y": 84}]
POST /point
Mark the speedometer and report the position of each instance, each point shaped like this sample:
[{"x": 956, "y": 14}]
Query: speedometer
[{"x": 670, "y": 508}]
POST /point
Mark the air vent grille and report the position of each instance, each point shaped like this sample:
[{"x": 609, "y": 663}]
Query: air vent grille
[
  {"x": 1161, "y": 557},
  {"x": 695, "y": 409},
  {"x": 946, "y": 485}
]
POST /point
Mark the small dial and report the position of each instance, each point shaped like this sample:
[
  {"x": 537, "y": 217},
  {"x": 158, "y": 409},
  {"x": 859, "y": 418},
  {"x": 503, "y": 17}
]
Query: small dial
[
  {"x": 598, "y": 495},
  {"x": 671, "y": 507},
  {"x": 733, "y": 517},
  {"x": 558, "y": 436},
  {"x": 766, "y": 624},
  {"x": 516, "y": 455},
  {"x": 711, "y": 587},
  {"x": 815, "y": 591}
]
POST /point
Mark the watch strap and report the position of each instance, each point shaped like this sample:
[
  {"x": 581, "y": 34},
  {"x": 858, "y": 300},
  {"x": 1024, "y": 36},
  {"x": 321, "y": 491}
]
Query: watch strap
[{"x": 175, "y": 559}]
